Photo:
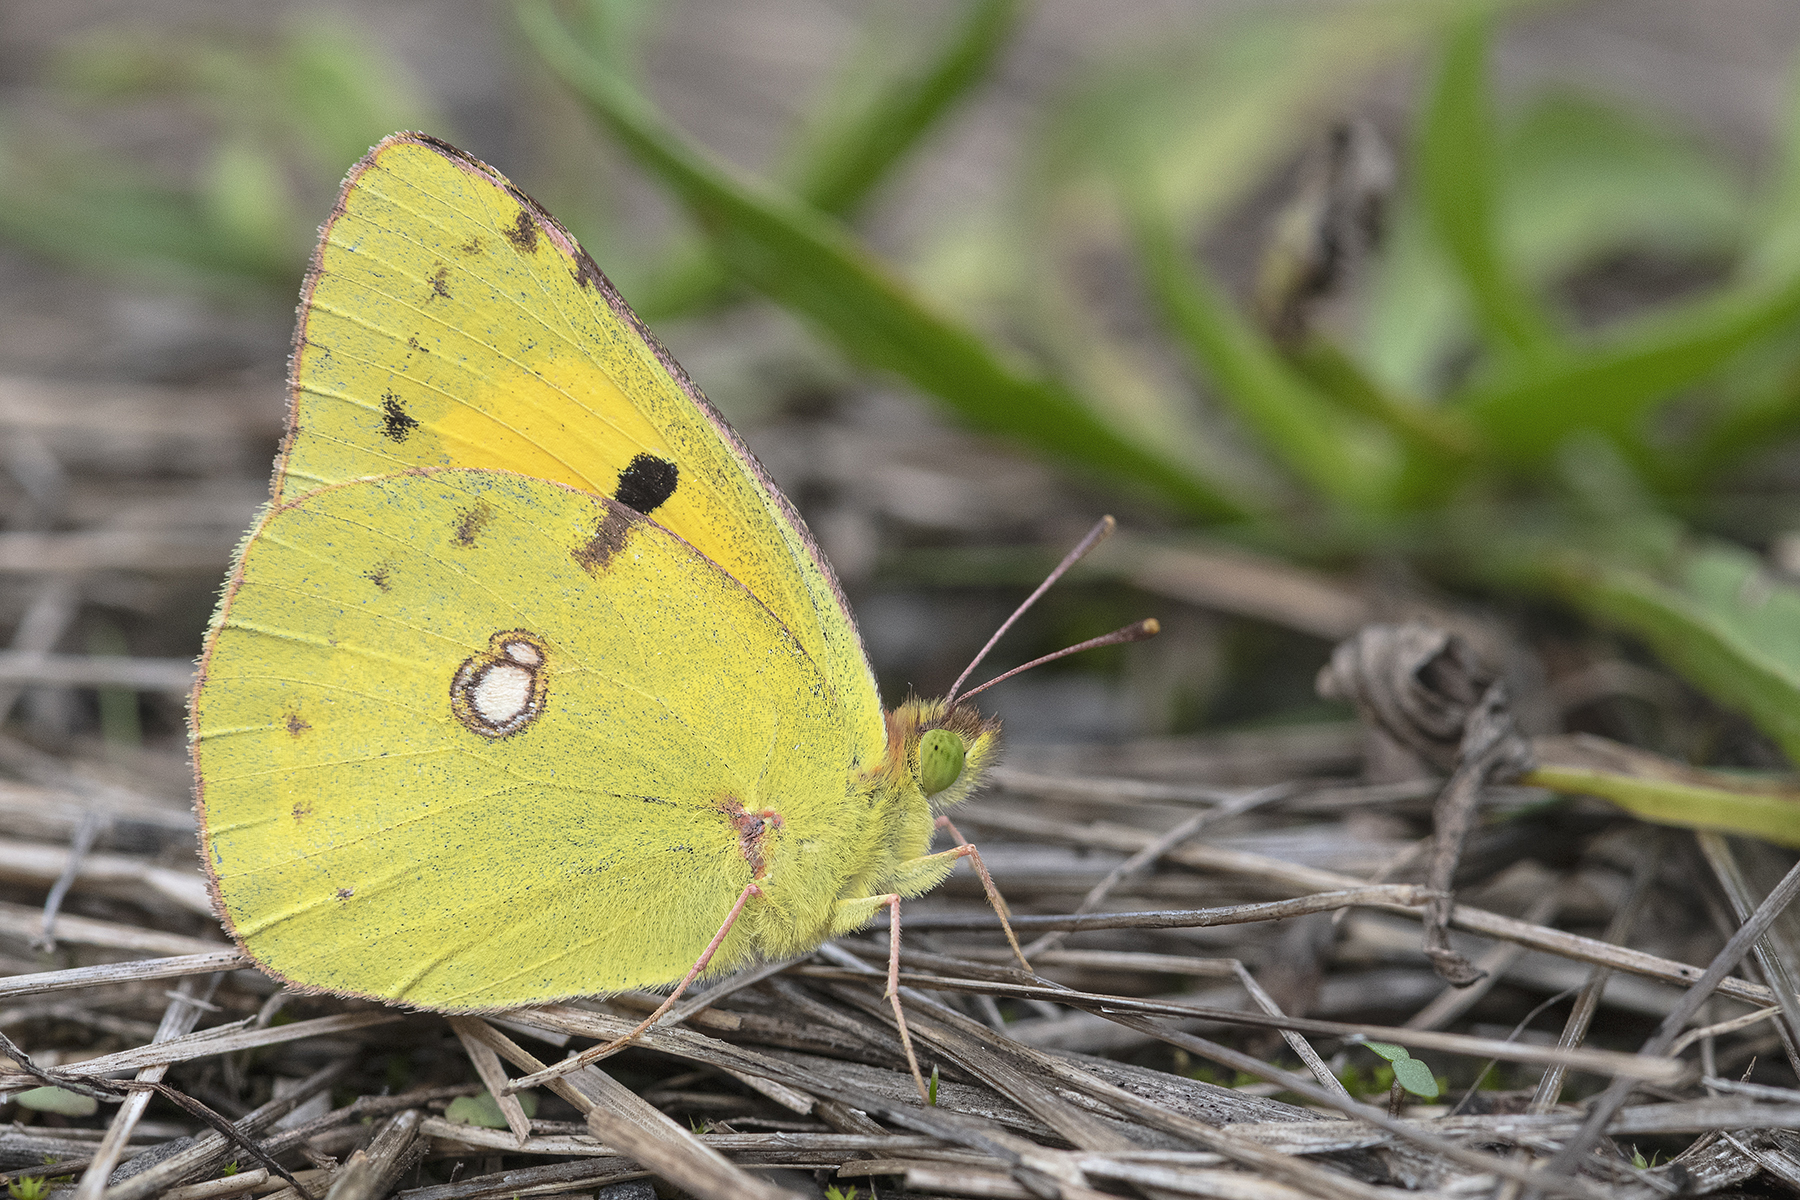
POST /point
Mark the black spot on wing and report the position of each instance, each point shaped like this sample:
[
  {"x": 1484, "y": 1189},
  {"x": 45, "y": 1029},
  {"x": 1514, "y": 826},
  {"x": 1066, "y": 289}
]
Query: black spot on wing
[
  {"x": 470, "y": 247},
  {"x": 396, "y": 422},
  {"x": 646, "y": 482},
  {"x": 608, "y": 540},
  {"x": 440, "y": 285},
  {"x": 587, "y": 274},
  {"x": 382, "y": 575},
  {"x": 470, "y": 522},
  {"x": 523, "y": 234}
]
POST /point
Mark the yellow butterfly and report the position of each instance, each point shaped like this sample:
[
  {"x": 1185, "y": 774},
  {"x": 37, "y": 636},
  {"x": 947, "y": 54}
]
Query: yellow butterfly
[{"x": 528, "y": 683}]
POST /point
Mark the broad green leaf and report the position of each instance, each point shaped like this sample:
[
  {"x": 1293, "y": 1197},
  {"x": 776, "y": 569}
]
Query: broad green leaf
[
  {"x": 809, "y": 264},
  {"x": 1580, "y": 179},
  {"x": 1458, "y": 179},
  {"x": 1610, "y": 387},
  {"x": 1420, "y": 324},
  {"x": 1390, "y": 1051},
  {"x": 1409, "y": 1072},
  {"x": 1416, "y": 1078},
  {"x": 1715, "y": 615}
]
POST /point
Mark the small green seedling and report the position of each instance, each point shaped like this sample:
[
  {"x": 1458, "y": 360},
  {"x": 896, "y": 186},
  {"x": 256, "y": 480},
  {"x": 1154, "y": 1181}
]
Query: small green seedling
[
  {"x": 931, "y": 1089},
  {"x": 837, "y": 1193},
  {"x": 1409, "y": 1072},
  {"x": 28, "y": 1187},
  {"x": 483, "y": 1110},
  {"x": 60, "y": 1101}
]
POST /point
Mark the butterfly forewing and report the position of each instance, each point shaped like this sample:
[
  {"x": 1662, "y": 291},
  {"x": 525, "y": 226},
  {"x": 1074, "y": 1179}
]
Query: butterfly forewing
[{"x": 448, "y": 321}]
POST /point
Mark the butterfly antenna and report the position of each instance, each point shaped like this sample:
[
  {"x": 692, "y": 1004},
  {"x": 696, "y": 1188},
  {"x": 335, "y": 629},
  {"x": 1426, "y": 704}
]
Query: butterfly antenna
[
  {"x": 1137, "y": 631},
  {"x": 1099, "y": 533}
]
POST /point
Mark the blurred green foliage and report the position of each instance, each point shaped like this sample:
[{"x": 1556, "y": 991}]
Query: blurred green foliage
[
  {"x": 286, "y": 117},
  {"x": 1474, "y": 413},
  {"x": 1473, "y": 417}
]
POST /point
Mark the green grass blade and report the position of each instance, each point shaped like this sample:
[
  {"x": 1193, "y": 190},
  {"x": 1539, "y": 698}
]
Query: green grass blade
[
  {"x": 1440, "y": 434},
  {"x": 1715, "y": 616},
  {"x": 1772, "y": 816},
  {"x": 837, "y": 169},
  {"x": 1778, "y": 252},
  {"x": 1612, "y": 387},
  {"x": 850, "y": 152},
  {"x": 1296, "y": 424},
  {"x": 856, "y": 146},
  {"x": 1458, "y": 156},
  {"x": 806, "y": 262}
]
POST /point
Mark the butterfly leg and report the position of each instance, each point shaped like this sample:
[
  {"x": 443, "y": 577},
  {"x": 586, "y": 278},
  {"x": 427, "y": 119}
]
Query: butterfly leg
[
  {"x": 600, "y": 1052},
  {"x": 853, "y": 914},
  {"x": 893, "y": 996},
  {"x": 966, "y": 849}
]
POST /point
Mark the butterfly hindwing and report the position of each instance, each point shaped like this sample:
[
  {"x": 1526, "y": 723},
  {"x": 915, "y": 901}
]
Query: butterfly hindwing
[
  {"x": 458, "y": 718},
  {"x": 448, "y": 321}
]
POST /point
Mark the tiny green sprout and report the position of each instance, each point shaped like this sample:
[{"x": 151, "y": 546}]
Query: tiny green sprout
[
  {"x": 931, "y": 1089},
  {"x": 57, "y": 1100},
  {"x": 483, "y": 1110},
  {"x": 1409, "y": 1072},
  {"x": 231, "y": 1168},
  {"x": 941, "y": 756},
  {"x": 28, "y": 1187},
  {"x": 835, "y": 1192}
]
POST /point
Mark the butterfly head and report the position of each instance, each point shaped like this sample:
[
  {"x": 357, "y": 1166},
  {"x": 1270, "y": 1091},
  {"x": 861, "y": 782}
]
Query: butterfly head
[{"x": 946, "y": 752}]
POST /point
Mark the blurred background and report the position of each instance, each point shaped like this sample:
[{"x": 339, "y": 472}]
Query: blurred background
[
  {"x": 1347, "y": 310},
  {"x": 1484, "y": 313}
]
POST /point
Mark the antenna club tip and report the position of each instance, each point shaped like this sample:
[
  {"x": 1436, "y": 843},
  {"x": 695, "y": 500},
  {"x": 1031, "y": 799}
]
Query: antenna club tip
[{"x": 1149, "y": 627}]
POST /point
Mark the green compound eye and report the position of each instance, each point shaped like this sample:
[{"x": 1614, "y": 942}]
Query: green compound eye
[{"x": 940, "y": 760}]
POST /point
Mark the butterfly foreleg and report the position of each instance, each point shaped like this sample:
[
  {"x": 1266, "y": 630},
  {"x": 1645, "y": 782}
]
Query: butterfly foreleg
[
  {"x": 853, "y": 914},
  {"x": 966, "y": 849}
]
